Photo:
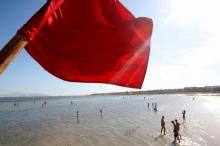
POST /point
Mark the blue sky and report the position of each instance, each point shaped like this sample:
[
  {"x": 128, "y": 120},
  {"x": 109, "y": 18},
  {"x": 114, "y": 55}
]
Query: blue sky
[{"x": 184, "y": 49}]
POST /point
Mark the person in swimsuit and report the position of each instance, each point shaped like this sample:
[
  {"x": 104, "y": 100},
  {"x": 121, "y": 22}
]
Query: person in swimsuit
[
  {"x": 178, "y": 129},
  {"x": 175, "y": 134},
  {"x": 184, "y": 115},
  {"x": 155, "y": 107},
  {"x": 77, "y": 114},
  {"x": 163, "y": 129}
]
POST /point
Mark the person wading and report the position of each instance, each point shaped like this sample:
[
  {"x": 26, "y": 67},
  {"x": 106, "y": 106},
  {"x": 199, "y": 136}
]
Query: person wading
[{"x": 163, "y": 129}]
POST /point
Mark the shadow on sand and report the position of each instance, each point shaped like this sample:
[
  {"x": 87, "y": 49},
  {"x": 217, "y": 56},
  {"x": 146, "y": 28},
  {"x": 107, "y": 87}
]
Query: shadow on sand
[
  {"x": 162, "y": 136},
  {"x": 174, "y": 144},
  {"x": 158, "y": 137}
]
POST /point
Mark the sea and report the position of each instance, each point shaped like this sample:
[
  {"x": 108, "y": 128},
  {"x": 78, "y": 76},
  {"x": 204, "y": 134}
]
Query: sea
[{"x": 125, "y": 120}]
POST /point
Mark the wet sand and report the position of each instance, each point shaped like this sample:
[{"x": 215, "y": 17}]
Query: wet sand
[{"x": 125, "y": 120}]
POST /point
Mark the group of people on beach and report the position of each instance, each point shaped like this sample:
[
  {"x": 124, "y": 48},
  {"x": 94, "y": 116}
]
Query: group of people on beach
[
  {"x": 42, "y": 105},
  {"x": 77, "y": 115},
  {"x": 154, "y": 106},
  {"x": 175, "y": 123},
  {"x": 176, "y": 127}
]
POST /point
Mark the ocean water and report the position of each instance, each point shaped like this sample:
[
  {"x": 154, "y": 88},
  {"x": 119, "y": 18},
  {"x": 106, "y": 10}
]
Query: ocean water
[{"x": 125, "y": 121}]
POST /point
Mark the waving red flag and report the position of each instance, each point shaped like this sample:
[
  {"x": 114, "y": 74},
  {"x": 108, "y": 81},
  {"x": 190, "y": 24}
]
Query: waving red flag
[{"x": 97, "y": 41}]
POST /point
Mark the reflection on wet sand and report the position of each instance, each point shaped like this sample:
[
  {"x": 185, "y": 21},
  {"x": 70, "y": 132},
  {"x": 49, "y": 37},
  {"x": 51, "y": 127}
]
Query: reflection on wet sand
[{"x": 128, "y": 121}]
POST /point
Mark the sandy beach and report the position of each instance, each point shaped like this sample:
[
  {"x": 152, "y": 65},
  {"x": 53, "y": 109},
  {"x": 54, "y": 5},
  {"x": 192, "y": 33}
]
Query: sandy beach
[{"x": 125, "y": 120}]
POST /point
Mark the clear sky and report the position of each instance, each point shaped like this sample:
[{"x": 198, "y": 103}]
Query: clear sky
[{"x": 185, "y": 48}]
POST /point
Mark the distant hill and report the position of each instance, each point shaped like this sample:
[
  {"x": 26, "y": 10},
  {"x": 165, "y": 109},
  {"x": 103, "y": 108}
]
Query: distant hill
[
  {"x": 19, "y": 94},
  {"x": 185, "y": 90}
]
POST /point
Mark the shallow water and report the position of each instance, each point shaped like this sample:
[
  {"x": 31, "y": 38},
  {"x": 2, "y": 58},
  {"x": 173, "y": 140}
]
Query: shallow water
[{"x": 126, "y": 121}]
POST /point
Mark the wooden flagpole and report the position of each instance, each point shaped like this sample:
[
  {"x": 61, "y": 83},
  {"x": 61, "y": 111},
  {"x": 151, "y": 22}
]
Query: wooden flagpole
[{"x": 11, "y": 50}]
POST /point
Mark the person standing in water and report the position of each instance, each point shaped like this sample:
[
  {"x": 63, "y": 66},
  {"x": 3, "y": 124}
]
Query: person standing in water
[
  {"x": 175, "y": 132},
  {"x": 77, "y": 114},
  {"x": 155, "y": 107},
  {"x": 101, "y": 113},
  {"x": 178, "y": 128},
  {"x": 184, "y": 115},
  {"x": 148, "y": 105},
  {"x": 163, "y": 129},
  {"x": 77, "y": 117}
]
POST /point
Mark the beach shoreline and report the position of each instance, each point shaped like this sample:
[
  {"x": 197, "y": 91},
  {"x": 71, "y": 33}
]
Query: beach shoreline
[{"x": 125, "y": 120}]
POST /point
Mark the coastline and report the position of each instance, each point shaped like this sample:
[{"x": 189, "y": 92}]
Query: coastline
[
  {"x": 187, "y": 91},
  {"x": 206, "y": 90},
  {"x": 124, "y": 121}
]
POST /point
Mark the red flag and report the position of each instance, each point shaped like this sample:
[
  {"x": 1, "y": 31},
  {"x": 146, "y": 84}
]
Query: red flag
[{"x": 97, "y": 41}]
